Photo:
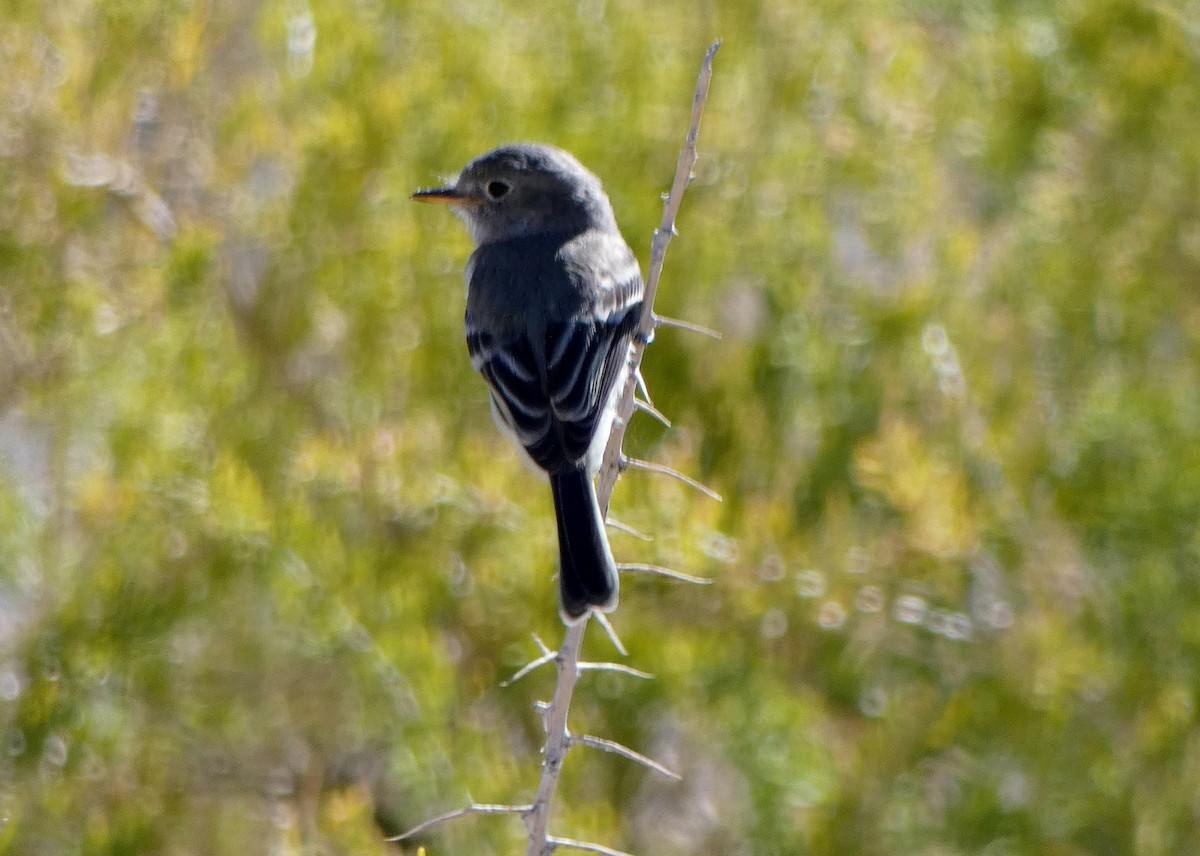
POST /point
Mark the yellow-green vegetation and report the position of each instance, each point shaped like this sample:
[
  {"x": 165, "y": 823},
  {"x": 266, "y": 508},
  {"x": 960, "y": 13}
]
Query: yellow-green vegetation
[{"x": 264, "y": 559}]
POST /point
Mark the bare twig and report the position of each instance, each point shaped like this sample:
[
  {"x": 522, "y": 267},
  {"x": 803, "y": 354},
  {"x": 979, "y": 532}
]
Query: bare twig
[
  {"x": 659, "y": 570},
  {"x": 461, "y": 812},
  {"x": 662, "y": 469},
  {"x": 625, "y": 752}
]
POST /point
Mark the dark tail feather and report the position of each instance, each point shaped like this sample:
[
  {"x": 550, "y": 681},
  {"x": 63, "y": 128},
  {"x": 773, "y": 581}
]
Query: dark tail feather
[{"x": 587, "y": 576}]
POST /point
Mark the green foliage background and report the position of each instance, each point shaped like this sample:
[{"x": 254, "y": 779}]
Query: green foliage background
[{"x": 264, "y": 560}]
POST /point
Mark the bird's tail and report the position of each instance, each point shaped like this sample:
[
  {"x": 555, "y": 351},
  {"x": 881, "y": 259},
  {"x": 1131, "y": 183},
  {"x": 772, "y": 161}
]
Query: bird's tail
[{"x": 587, "y": 575}]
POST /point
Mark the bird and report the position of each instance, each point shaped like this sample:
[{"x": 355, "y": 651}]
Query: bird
[{"x": 554, "y": 302}]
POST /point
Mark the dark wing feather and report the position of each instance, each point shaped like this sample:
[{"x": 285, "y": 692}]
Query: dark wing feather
[
  {"x": 579, "y": 384},
  {"x": 552, "y": 380},
  {"x": 517, "y": 385}
]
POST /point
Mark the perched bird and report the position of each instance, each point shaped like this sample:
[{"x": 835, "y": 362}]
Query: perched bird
[{"x": 554, "y": 298}]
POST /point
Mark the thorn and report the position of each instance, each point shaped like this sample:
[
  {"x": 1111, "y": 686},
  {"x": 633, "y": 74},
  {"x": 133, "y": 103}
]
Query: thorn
[
  {"x": 547, "y": 657},
  {"x": 636, "y": 463},
  {"x": 640, "y": 380},
  {"x": 462, "y": 812},
  {"x": 543, "y": 711},
  {"x": 603, "y": 621},
  {"x": 658, "y": 570},
  {"x": 627, "y": 529},
  {"x": 691, "y": 327},
  {"x": 647, "y": 407},
  {"x": 586, "y": 846},
  {"x": 615, "y": 667},
  {"x": 625, "y": 752}
]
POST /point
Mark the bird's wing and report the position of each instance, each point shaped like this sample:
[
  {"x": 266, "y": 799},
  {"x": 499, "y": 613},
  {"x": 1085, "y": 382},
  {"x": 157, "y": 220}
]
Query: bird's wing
[{"x": 551, "y": 382}]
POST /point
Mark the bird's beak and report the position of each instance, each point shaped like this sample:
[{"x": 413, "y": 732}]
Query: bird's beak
[{"x": 445, "y": 195}]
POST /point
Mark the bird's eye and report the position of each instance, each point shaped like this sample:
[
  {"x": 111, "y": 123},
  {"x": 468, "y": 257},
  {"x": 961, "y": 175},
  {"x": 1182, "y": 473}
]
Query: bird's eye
[{"x": 497, "y": 189}]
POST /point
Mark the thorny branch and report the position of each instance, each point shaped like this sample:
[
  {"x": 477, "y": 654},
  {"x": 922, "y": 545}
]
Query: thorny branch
[
  {"x": 611, "y": 466},
  {"x": 554, "y": 714},
  {"x": 558, "y": 739}
]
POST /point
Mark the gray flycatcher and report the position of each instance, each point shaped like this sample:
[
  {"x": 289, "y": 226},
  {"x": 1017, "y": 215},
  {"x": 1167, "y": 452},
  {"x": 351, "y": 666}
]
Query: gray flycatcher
[{"x": 554, "y": 298}]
